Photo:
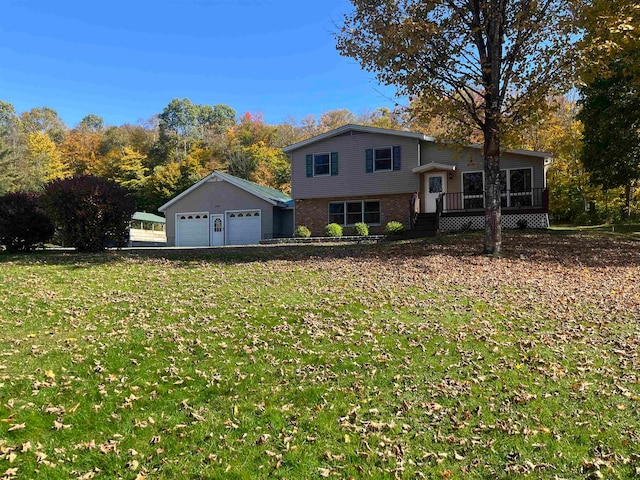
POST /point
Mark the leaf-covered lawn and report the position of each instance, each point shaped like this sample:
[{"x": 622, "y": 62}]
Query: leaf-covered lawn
[{"x": 418, "y": 359}]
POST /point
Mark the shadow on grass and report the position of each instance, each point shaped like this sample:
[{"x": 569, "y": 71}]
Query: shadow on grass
[{"x": 571, "y": 248}]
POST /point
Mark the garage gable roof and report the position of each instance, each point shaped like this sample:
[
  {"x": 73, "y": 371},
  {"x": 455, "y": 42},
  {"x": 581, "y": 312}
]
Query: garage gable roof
[{"x": 270, "y": 195}]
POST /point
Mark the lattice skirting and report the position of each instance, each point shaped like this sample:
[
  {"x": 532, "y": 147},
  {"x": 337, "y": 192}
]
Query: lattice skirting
[{"x": 476, "y": 222}]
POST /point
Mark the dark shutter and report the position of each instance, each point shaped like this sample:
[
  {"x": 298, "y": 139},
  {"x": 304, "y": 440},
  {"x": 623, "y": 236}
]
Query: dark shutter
[
  {"x": 396, "y": 158},
  {"x": 309, "y": 165},
  {"x": 334, "y": 163},
  {"x": 369, "y": 162}
]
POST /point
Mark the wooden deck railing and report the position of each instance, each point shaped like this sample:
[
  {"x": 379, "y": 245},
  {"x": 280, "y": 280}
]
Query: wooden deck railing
[{"x": 536, "y": 198}]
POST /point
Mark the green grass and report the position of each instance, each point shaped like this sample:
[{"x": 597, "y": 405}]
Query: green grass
[
  {"x": 355, "y": 361},
  {"x": 624, "y": 228}
]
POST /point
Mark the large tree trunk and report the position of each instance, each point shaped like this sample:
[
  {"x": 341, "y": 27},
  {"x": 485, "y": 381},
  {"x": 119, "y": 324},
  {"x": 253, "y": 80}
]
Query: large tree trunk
[
  {"x": 492, "y": 204},
  {"x": 492, "y": 72}
]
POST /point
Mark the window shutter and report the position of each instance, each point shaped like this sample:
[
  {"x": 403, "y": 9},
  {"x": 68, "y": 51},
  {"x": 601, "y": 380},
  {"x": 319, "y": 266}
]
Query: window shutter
[
  {"x": 396, "y": 158},
  {"x": 334, "y": 163},
  {"x": 309, "y": 165},
  {"x": 369, "y": 162}
]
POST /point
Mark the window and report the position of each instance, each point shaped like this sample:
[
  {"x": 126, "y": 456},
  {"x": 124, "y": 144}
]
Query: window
[
  {"x": 336, "y": 213},
  {"x": 473, "y": 190},
  {"x": 516, "y": 187},
  {"x": 371, "y": 212},
  {"x": 217, "y": 225},
  {"x": 354, "y": 212},
  {"x": 382, "y": 159},
  {"x": 349, "y": 213},
  {"x": 435, "y": 184},
  {"x": 321, "y": 164}
]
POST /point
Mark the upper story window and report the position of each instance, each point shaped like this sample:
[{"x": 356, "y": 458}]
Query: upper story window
[
  {"x": 382, "y": 159},
  {"x": 322, "y": 164}
]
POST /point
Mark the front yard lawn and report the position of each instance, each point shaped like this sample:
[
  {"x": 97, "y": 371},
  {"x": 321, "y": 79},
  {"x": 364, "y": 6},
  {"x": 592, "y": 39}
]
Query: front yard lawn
[{"x": 415, "y": 359}]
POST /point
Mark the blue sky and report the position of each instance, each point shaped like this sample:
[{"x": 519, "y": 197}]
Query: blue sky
[{"x": 125, "y": 60}]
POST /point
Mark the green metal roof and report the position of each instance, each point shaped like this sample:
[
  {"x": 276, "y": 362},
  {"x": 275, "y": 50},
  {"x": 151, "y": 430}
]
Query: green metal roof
[
  {"x": 268, "y": 192},
  {"x": 148, "y": 217},
  {"x": 271, "y": 195}
]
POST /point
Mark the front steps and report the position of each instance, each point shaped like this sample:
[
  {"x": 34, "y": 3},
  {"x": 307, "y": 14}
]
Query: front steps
[{"x": 426, "y": 225}]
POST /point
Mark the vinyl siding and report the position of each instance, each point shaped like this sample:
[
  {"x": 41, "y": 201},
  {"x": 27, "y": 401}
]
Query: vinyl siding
[
  {"x": 471, "y": 160},
  {"x": 216, "y": 197},
  {"x": 352, "y": 179}
]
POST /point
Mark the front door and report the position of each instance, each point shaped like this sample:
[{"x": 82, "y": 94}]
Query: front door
[
  {"x": 435, "y": 184},
  {"x": 217, "y": 230}
]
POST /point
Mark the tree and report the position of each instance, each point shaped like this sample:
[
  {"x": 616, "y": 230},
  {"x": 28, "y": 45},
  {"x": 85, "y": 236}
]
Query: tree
[
  {"x": 610, "y": 71},
  {"x": 241, "y": 163},
  {"x": 611, "y": 139},
  {"x": 124, "y": 166},
  {"x": 332, "y": 119},
  {"x": 611, "y": 38},
  {"x": 23, "y": 222},
  {"x": 272, "y": 167},
  {"x": 183, "y": 123},
  {"x": 485, "y": 63},
  {"x": 45, "y": 160},
  {"x": 9, "y": 147},
  {"x": 384, "y": 118},
  {"x": 216, "y": 119},
  {"x": 159, "y": 187},
  {"x": 80, "y": 150},
  {"x": 90, "y": 212},
  {"x": 7, "y": 167},
  {"x": 43, "y": 120},
  {"x": 251, "y": 129},
  {"x": 91, "y": 123},
  {"x": 177, "y": 125}
]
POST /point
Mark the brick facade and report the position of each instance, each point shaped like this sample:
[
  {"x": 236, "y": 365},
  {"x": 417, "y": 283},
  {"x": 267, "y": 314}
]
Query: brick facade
[{"x": 314, "y": 212}]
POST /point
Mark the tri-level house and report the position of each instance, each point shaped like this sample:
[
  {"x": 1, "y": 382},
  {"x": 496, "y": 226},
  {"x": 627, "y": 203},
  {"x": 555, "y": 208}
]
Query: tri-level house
[{"x": 373, "y": 175}]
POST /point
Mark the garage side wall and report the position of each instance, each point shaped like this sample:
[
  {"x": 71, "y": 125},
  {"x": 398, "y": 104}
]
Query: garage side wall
[{"x": 218, "y": 197}]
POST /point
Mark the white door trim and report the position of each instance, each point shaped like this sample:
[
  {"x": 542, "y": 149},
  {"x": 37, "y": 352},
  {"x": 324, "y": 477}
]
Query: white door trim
[
  {"x": 430, "y": 199},
  {"x": 221, "y": 240}
]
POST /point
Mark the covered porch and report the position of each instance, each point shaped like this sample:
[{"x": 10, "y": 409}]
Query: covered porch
[{"x": 446, "y": 193}]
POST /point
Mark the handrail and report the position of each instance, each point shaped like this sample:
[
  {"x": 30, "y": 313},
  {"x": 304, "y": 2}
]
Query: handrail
[{"x": 511, "y": 200}]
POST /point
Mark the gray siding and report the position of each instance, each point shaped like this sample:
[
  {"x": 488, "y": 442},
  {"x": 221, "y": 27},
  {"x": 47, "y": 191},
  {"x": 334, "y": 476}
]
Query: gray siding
[
  {"x": 470, "y": 160},
  {"x": 217, "y": 197},
  {"x": 352, "y": 179}
]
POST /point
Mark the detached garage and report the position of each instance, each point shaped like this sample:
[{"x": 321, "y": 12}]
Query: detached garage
[{"x": 225, "y": 210}]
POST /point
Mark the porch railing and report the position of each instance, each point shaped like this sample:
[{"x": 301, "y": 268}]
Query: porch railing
[{"x": 536, "y": 198}]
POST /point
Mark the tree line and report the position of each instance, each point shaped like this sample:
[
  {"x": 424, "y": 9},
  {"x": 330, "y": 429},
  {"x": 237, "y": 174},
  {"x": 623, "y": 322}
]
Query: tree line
[{"x": 160, "y": 157}]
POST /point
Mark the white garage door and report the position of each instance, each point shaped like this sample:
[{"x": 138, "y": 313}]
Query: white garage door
[
  {"x": 192, "y": 229},
  {"x": 244, "y": 228}
]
